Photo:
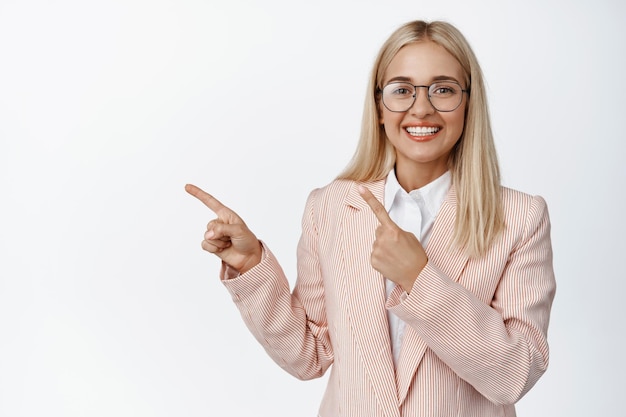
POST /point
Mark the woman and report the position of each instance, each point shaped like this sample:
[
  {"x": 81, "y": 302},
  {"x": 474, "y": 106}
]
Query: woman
[{"x": 425, "y": 283}]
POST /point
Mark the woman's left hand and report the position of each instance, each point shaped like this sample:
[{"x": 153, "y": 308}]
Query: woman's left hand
[{"x": 397, "y": 254}]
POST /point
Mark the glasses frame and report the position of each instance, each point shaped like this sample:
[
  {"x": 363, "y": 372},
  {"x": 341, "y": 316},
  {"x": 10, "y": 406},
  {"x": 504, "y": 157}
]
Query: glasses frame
[{"x": 427, "y": 87}]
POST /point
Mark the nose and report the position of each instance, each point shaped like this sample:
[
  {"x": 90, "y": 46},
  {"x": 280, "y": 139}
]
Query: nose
[{"x": 421, "y": 106}]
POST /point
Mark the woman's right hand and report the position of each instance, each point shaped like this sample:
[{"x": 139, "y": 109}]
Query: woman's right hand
[{"x": 227, "y": 236}]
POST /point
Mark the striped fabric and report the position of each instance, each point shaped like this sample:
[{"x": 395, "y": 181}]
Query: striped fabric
[{"x": 475, "y": 340}]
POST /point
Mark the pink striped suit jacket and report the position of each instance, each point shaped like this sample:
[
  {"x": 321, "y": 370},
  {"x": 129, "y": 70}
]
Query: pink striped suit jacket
[{"x": 475, "y": 340}]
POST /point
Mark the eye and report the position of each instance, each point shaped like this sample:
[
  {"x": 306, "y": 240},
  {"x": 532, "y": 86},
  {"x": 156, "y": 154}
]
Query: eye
[
  {"x": 399, "y": 90},
  {"x": 444, "y": 89}
]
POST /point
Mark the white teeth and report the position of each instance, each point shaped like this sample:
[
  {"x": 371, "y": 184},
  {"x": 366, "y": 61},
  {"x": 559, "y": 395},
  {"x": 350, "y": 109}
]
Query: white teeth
[{"x": 422, "y": 130}]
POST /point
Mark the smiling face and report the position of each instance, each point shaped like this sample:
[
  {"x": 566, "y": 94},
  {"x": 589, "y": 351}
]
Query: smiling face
[{"x": 422, "y": 136}]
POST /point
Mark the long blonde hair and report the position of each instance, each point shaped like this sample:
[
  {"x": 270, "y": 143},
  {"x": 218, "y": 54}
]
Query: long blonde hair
[{"x": 473, "y": 161}]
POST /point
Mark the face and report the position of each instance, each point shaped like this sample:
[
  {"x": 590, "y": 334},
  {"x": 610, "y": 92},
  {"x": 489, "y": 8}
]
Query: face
[{"x": 422, "y": 136}]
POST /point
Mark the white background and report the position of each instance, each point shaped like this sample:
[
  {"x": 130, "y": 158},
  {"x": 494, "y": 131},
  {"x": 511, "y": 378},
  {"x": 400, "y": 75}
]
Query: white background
[{"x": 108, "y": 306}]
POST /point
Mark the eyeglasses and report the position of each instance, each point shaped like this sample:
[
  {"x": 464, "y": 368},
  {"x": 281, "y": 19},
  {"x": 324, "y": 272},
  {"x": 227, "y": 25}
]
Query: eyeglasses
[{"x": 444, "y": 96}]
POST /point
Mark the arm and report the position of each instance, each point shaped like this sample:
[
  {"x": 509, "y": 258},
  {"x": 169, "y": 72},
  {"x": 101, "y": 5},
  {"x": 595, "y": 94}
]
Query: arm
[
  {"x": 292, "y": 328},
  {"x": 500, "y": 349}
]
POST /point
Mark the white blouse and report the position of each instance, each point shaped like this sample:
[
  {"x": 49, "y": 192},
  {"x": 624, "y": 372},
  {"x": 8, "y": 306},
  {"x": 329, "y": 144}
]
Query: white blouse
[{"x": 414, "y": 212}]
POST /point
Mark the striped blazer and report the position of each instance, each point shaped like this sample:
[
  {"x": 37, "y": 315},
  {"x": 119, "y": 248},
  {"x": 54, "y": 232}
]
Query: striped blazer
[{"x": 475, "y": 340}]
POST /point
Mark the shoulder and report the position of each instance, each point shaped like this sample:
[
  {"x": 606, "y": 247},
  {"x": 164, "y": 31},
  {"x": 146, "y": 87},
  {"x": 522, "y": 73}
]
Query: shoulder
[
  {"x": 522, "y": 210},
  {"x": 325, "y": 205},
  {"x": 333, "y": 193},
  {"x": 340, "y": 196},
  {"x": 514, "y": 201}
]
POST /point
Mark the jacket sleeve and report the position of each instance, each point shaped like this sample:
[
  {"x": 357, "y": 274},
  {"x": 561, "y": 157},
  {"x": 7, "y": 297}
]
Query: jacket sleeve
[
  {"x": 292, "y": 328},
  {"x": 499, "y": 348}
]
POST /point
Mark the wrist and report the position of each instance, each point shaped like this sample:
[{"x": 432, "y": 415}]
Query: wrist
[{"x": 253, "y": 260}]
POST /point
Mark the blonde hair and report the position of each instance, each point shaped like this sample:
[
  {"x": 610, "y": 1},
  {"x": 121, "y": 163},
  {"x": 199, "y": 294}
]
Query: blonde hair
[{"x": 473, "y": 161}]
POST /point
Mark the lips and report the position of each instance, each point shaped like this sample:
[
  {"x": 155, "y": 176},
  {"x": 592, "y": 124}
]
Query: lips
[{"x": 422, "y": 131}]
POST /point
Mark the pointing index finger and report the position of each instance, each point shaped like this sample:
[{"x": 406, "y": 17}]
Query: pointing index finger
[
  {"x": 376, "y": 206},
  {"x": 208, "y": 200}
]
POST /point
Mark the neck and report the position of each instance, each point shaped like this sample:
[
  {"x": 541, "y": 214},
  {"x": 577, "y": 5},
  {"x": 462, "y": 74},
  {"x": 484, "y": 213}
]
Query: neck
[{"x": 414, "y": 177}]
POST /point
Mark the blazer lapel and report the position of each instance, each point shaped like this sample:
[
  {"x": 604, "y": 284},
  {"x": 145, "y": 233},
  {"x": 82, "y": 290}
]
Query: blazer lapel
[
  {"x": 365, "y": 295},
  {"x": 451, "y": 261}
]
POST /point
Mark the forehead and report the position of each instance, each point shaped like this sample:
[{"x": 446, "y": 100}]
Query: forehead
[{"x": 423, "y": 62}]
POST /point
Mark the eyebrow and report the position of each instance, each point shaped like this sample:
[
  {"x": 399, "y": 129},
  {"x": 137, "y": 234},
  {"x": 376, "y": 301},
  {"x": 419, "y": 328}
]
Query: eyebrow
[{"x": 437, "y": 78}]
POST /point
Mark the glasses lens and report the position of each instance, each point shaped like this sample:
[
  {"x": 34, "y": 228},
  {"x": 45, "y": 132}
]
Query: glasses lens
[
  {"x": 445, "y": 95},
  {"x": 398, "y": 97}
]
